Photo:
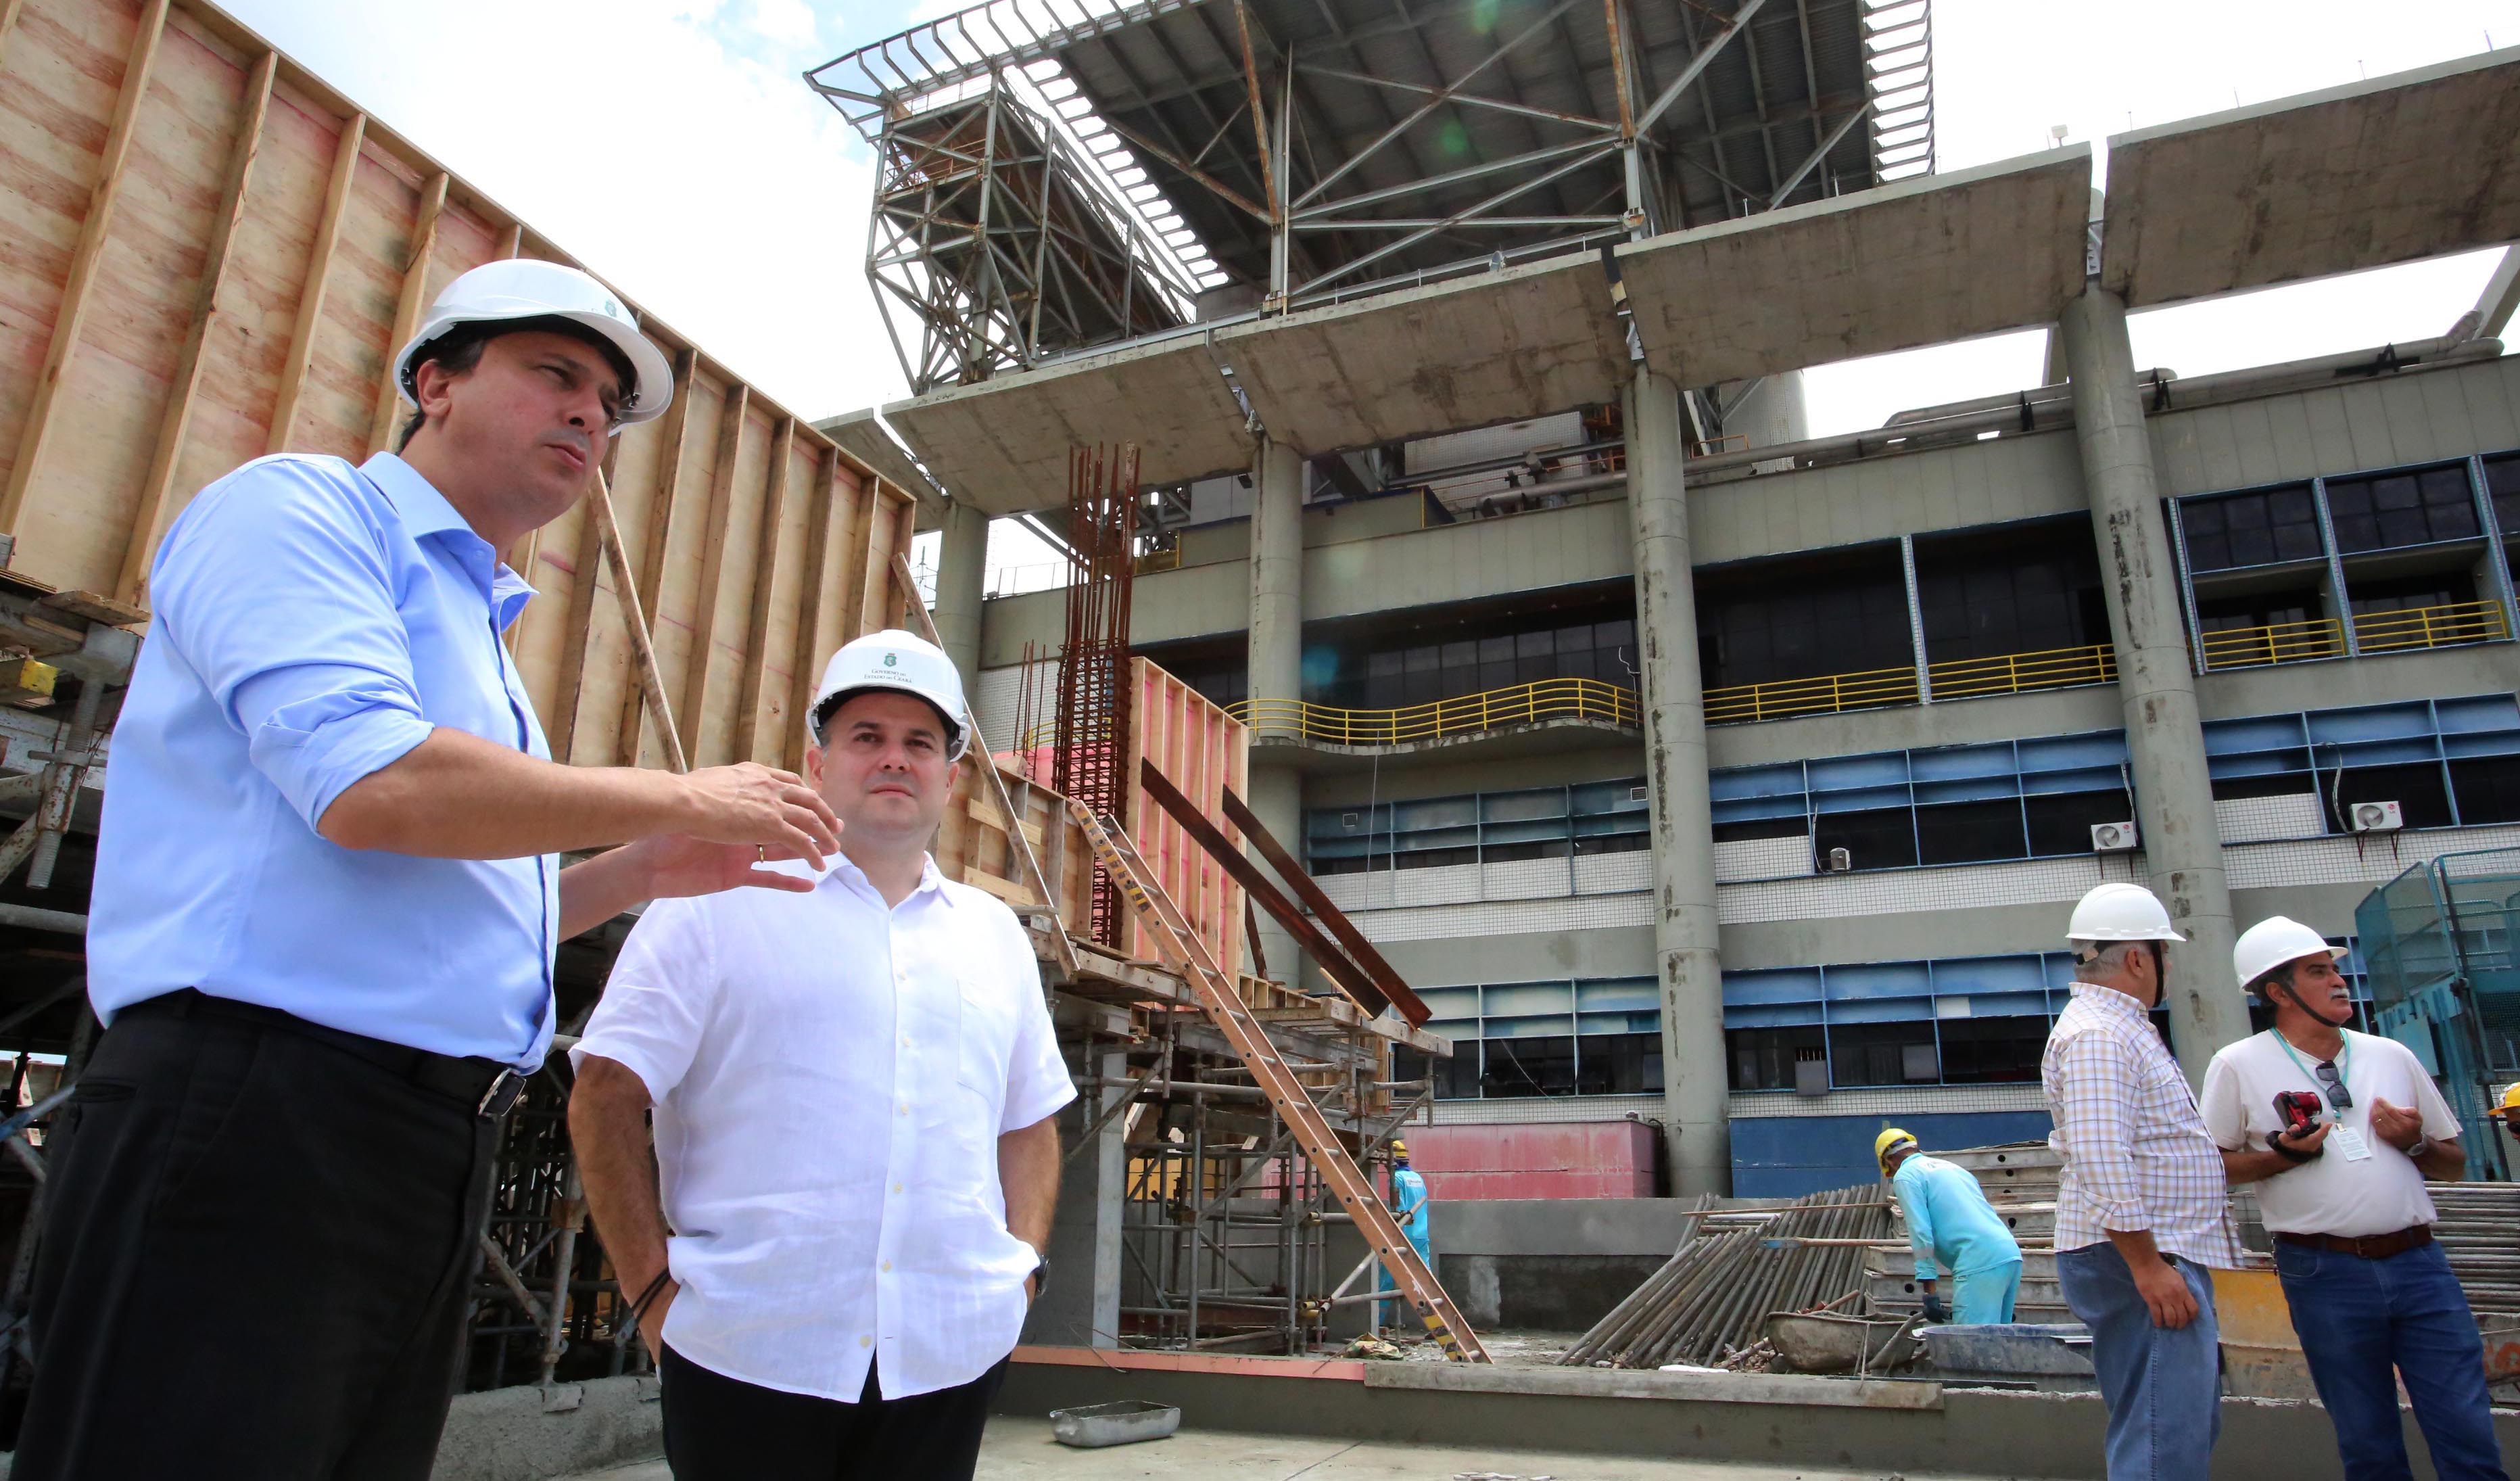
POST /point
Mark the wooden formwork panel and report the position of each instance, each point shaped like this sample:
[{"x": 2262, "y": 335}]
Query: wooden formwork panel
[
  {"x": 1202, "y": 750},
  {"x": 207, "y": 255}
]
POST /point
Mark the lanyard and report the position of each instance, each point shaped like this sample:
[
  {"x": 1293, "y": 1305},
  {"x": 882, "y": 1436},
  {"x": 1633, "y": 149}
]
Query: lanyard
[{"x": 2344, "y": 1064}]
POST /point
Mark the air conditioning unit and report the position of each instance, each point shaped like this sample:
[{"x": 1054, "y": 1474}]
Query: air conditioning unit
[
  {"x": 1837, "y": 862},
  {"x": 2112, "y": 838},
  {"x": 1635, "y": 795},
  {"x": 2376, "y": 817}
]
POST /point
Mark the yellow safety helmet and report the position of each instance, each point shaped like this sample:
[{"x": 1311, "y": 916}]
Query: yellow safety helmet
[
  {"x": 1890, "y": 1140},
  {"x": 1399, "y": 1149},
  {"x": 2511, "y": 1095}
]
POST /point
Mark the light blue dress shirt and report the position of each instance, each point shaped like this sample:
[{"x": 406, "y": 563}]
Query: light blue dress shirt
[
  {"x": 313, "y": 622},
  {"x": 1950, "y": 1219}
]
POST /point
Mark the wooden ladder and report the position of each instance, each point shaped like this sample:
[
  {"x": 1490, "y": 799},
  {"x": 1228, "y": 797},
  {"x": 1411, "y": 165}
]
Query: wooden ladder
[{"x": 1181, "y": 947}]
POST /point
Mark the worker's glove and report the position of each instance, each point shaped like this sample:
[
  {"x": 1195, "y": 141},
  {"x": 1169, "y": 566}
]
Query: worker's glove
[{"x": 1935, "y": 1311}]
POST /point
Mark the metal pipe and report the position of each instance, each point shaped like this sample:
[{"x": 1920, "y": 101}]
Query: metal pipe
[{"x": 31, "y": 918}]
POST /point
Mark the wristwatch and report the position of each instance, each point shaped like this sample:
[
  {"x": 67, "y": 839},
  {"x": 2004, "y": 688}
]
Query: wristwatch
[
  {"x": 2423, "y": 1145},
  {"x": 1039, "y": 1276}
]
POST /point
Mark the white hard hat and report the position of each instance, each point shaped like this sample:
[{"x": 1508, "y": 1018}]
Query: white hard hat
[
  {"x": 893, "y": 659},
  {"x": 2121, "y": 912},
  {"x": 2273, "y": 942},
  {"x": 528, "y": 287}
]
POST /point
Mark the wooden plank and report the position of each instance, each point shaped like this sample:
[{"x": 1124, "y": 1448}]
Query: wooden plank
[
  {"x": 511, "y": 241},
  {"x": 577, "y": 630},
  {"x": 9, "y": 10},
  {"x": 1004, "y": 889},
  {"x": 408, "y": 307},
  {"x": 660, "y": 529},
  {"x": 765, "y": 573},
  {"x": 643, "y": 656},
  {"x": 147, "y": 521},
  {"x": 77, "y": 288},
  {"x": 310, "y": 299},
  {"x": 721, "y": 509},
  {"x": 1340, "y": 926},
  {"x": 807, "y": 675}
]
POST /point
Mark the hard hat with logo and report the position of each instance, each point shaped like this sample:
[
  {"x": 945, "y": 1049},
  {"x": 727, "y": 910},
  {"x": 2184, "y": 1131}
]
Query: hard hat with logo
[
  {"x": 1891, "y": 1139},
  {"x": 2121, "y": 912},
  {"x": 892, "y": 659},
  {"x": 2275, "y": 942},
  {"x": 2511, "y": 1095},
  {"x": 1400, "y": 1149},
  {"x": 527, "y": 287}
]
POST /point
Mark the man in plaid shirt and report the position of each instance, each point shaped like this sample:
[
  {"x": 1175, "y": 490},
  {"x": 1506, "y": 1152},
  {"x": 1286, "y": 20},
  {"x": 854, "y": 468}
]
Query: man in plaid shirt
[{"x": 2141, "y": 1212}]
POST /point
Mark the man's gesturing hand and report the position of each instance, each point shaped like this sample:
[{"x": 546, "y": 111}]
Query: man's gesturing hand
[
  {"x": 2397, "y": 1126},
  {"x": 2165, "y": 1290},
  {"x": 773, "y": 810}
]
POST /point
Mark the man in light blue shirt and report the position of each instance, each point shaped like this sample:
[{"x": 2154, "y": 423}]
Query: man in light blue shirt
[
  {"x": 1408, "y": 1208},
  {"x": 326, "y": 894},
  {"x": 1951, "y": 1224}
]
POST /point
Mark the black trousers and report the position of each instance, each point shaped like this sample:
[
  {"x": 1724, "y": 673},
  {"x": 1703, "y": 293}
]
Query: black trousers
[
  {"x": 719, "y": 1428},
  {"x": 257, "y": 1248}
]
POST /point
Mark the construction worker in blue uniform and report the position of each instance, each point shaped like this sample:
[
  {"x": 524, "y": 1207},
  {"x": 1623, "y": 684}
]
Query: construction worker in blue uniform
[
  {"x": 1409, "y": 1200},
  {"x": 1951, "y": 1224}
]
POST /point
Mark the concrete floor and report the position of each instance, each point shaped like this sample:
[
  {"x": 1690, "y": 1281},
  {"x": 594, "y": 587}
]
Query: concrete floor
[{"x": 1021, "y": 1450}]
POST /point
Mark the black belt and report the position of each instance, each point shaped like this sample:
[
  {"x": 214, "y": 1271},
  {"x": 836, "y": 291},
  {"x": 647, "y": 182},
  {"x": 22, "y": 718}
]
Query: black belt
[
  {"x": 490, "y": 1087},
  {"x": 2369, "y": 1246}
]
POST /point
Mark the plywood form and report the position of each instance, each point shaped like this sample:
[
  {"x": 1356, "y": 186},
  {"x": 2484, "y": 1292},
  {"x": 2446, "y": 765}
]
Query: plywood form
[
  {"x": 212, "y": 254},
  {"x": 1202, "y": 750}
]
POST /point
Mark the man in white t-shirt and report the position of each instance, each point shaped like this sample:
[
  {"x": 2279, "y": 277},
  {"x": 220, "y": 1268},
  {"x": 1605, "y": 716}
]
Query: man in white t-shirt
[
  {"x": 855, "y": 1090},
  {"x": 2339, "y": 1131}
]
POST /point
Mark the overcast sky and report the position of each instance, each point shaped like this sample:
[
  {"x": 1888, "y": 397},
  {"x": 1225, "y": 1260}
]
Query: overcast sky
[{"x": 671, "y": 145}]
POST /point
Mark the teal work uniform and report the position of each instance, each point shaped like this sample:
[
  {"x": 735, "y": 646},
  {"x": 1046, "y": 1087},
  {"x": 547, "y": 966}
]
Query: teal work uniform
[
  {"x": 1409, "y": 1200},
  {"x": 1950, "y": 1222}
]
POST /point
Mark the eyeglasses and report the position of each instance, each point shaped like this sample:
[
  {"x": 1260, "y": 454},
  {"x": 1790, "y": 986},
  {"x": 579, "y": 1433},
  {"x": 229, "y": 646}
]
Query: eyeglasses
[{"x": 2334, "y": 1085}]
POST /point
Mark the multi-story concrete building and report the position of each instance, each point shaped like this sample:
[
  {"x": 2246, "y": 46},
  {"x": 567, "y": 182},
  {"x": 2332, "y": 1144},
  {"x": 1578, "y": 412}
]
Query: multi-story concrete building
[{"x": 1704, "y": 774}]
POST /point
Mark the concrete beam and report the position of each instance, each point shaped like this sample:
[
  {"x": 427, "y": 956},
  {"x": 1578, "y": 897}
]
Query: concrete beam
[
  {"x": 1520, "y": 342},
  {"x": 2414, "y": 165},
  {"x": 863, "y": 438},
  {"x": 1003, "y": 445},
  {"x": 1923, "y": 261}
]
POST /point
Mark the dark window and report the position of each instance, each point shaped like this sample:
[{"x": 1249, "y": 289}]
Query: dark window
[
  {"x": 2401, "y": 509},
  {"x": 1542, "y": 848},
  {"x": 1883, "y": 1053},
  {"x": 1496, "y": 664},
  {"x": 1803, "y": 617},
  {"x": 1456, "y": 1078},
  {"x": 1966, "y": 833},
  {"x": 2502, "y": 481},
  {"x": 2265, "y": 784},
  {"x": 1881, "y": 840},
  {"x": 2417, "y": 791},
  {"x": 2020, "y": 590},
  {"x": 1763, "y": 1058},
  {"x": 1613, "y": 843},
  {"x": 2489, "y": 788},
  {"x": 2406, "y": 593},
  {"x": 1618, "y": 1064},
  {"x": 2250, "y": 529},
  {"x": 1535, "y": 657},
  {"x": 1761, "y": 828},
  {"x": 2063, "y": 824},
  {"x": 1529, "y": 1066},
  {"x": 1983, "y": 1050}
]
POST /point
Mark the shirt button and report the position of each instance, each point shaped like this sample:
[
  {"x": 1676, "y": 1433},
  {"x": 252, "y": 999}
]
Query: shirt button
[
  {"x": 896, "y": 1187},
  {"x": 905, "y": 1107},
  {"x": 888, "y": 1267},
  {"x": 867, "y": 1341}
]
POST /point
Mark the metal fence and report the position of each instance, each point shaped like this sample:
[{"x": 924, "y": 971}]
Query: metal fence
[{"x": 2439, "y": 944}]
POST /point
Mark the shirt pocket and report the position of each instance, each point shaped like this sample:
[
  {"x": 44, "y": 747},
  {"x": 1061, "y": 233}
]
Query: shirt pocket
[{"x": 986, "y": 1039}]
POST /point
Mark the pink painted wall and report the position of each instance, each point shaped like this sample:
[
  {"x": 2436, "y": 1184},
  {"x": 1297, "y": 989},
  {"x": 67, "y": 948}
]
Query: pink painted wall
[{"x": 1581, "y": 1159}]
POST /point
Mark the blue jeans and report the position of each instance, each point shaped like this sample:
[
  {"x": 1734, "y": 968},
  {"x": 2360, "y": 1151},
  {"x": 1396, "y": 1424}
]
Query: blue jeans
[
  {"x": 1987, "y": 1295},
  {"x": 2163, "y": 1389},
  {"x": 2365, "y": 1322}
]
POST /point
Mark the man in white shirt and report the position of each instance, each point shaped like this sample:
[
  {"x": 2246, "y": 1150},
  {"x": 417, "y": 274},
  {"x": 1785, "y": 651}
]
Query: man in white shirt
[
  {"x": 855, "y": 1091},
  {"x": 2340, "y": 1170}
]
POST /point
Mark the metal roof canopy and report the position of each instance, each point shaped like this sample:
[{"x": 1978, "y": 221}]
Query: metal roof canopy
[
  {"x": 1003, "y": 445},
  {"x": 2415, "y": 164},
  {"x": 1308, "y": 147},
  {"x": 1916, "y": 263}
]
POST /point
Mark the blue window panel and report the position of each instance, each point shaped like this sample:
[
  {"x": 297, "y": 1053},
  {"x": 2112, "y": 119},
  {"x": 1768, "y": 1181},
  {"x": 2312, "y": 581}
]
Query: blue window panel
[
  {"x": 1876, "y": 979},
  {"x": 1527, "y": 998},
  {"x": 1784, "y": 984},
  {"x": 1999, "y": 1006},
  {"x": 1451, "y": 1001},
  {"x": 2109, "y": 778},
  {"x": 1618, "y": 1023},
  {"x": 1755, "y": 808},
  {"x": 1771, "y": 1015},
  {"x": 2256, "y": 735},
  {"x": 1990, "y": 974},
  {"x": 1881, "y": 1010},
  {"x": 2371, "y": 723},
  {"x": 2101, "y": 750},
  {"x": 1944, "y": 763},
  {"x": 2480, "y": 714},
  {"x": 1860, "y": 773},
  {"x": 1457, "y": 1030},
  {"x": 1619, "y": 995},
  {"x": 2225, "y": 768},
  {"x": 1596, "y": 798},
  {"x": 1863, "y": 801},
  {"x": 1527, "y": 831},
  {"x": 2060, "y": 972},
  {"x": 1968, "y": 790},
  {"x": 1547, "y": 802},
  {"x": 1436, "y": 812},
  {"x": 1742, "y": 784},
  {"x": 1552, "y": 1026}
]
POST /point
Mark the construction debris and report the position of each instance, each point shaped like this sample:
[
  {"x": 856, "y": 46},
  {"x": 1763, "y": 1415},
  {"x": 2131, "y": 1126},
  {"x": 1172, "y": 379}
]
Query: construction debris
[
  {"x": 2476, "y": 1232},
  {"x": 1734, "y": 1268}
]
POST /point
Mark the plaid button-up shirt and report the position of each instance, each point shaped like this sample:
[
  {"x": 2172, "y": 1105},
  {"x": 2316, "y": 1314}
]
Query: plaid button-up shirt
[{"x": 2135, "y": 1149}]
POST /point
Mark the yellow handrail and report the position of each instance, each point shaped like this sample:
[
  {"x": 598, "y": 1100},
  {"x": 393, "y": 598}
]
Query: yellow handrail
[
  {"x": 2276, "y": 643},
  {"x": 2430, "y": 626},
  {"x": 2017, "y": 673},
  {"x": 1825, "y": 695},
  {"x": 1469, "y": 714}
]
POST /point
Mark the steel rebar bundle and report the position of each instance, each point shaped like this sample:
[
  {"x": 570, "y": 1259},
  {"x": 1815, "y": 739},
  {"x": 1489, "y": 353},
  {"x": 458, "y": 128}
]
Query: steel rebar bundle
[
  {"x": 1711, "y": 1299},
  {"x": 1088, "y": 756}
]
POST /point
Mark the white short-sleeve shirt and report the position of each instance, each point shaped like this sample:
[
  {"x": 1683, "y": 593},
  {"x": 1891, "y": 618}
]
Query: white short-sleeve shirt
[
  {"x": 2331, "y": 1195},
  {"x": 831, "y": 1079}
]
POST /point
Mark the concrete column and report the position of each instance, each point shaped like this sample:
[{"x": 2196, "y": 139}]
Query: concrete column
[
  {"x": 1674, "y": 708},
  {"x": 2165, "y": 739},
  {"x": 1274, "y": 659},
  {"x": 962, "y": 581},
  {"x": 1082, "y": 1306}
]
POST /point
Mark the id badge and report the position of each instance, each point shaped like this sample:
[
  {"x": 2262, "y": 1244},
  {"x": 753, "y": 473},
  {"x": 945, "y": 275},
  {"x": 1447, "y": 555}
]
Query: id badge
[{"x": 2350, "y": 1142}]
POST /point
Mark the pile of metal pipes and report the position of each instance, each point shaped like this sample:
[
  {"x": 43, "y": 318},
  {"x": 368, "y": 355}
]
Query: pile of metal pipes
[
  {"x": 1737, "y": 1267},
  {"x": 2480, "y": 1231}
]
